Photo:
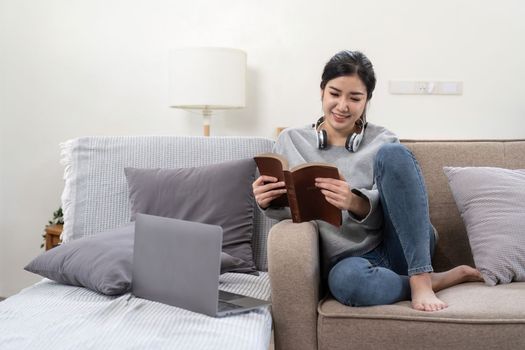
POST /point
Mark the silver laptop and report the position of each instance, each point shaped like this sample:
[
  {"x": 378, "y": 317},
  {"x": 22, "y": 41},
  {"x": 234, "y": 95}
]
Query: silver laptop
[{"x": 177, "y": 262}]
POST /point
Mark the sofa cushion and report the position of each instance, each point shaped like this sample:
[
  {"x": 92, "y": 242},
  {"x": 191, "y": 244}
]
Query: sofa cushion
[
  {"x": 218, "y": 194},
  {"x": 486, "y": 314},
  {"x": 453, "y": 248},
  {"x": 492, "y": 204}
]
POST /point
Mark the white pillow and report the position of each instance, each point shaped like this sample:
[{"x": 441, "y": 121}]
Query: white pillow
[{"x": 492, "y": 204}]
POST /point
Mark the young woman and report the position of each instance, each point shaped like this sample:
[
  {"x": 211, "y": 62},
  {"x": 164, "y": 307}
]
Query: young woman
[{"x": 382, "y": 252}]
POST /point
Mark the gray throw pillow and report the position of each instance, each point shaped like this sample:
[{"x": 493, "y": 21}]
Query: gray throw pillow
[
  {"x": 103, "y": 262},
  {"x": 492, "y": 204},
  {"x": 218, "y": 194}
]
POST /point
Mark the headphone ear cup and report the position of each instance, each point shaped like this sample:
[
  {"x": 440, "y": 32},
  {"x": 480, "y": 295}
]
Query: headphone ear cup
[
  {"x": 350, "y": 142},
  {"x": 322, "y": 139},
  {"x": 353, "y": 141}
]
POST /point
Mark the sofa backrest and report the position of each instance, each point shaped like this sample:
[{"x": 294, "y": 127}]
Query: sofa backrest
[
  {"x": 95, "y": 196},
  {"x": 453, "y": 247}
]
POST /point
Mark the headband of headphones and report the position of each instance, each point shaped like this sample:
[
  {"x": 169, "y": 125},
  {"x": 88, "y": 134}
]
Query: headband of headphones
[
  {"x": 353, "y": 141},
  {"x": 362, "y": 123}
]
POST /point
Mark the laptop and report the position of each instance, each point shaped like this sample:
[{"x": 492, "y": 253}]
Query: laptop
[{"x": 177, "y": 262}]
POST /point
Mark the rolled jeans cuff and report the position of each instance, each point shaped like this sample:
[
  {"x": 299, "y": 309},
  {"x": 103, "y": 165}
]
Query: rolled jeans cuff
[{"x": 418, "y": 270}]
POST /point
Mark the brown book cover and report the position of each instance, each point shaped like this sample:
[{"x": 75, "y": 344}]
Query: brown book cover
[{"x": 306, "y": 201}]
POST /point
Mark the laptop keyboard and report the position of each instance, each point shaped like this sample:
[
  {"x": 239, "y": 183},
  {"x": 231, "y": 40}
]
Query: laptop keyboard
[
  {"x": 224, "y": 305},
  {"x": 229, "y": 296}
]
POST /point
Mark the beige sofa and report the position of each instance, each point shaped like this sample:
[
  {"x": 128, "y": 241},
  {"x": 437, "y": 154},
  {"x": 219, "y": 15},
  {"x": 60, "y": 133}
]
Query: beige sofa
[{"x": 478, "y": 316}]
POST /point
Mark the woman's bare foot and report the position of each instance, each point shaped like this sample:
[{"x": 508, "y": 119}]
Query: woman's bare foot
[
  {"x": 425, "y": 285},
  {"x": 457, "y": 275},
  {"x": 423, "y": 297}
]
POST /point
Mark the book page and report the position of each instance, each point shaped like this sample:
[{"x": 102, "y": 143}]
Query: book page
[{"x": 311, "y": 203}]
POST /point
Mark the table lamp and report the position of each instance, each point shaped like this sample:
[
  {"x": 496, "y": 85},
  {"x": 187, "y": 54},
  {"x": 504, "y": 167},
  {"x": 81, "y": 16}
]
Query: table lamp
[{"x": 207, "y": 79}]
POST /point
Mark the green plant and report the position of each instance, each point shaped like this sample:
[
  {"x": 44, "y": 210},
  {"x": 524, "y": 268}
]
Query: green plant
[{"x": 58, "y": 217}]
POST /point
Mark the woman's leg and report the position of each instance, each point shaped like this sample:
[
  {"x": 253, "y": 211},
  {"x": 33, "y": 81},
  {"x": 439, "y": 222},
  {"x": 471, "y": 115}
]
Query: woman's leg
[
  {"x": 356, "y": 281},
  {"x": 408, "y": 234},
  {"x": 408, "y": 237},
  {"x": 400, "y": 267}
]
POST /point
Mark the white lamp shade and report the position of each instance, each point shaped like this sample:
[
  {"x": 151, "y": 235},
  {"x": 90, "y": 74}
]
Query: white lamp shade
[{"x": 207, "y": 78}]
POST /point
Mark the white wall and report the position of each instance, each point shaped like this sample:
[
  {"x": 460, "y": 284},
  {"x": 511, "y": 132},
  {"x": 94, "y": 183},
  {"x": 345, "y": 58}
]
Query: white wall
[{"x": 98, "y": 67}]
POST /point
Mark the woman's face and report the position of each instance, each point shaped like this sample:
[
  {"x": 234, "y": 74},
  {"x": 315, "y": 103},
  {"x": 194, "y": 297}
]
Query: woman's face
[{"x": 344, "y": 101}]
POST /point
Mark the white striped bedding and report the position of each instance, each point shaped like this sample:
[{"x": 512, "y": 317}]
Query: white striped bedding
[{"x": 52, "y": 316}]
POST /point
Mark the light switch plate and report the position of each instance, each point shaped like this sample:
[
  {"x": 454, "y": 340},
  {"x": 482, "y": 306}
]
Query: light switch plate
[{"x": 398, "y": 87}]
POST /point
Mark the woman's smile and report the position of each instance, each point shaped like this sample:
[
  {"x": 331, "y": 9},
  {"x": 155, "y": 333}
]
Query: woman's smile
[{"x": 340, "y": 118}]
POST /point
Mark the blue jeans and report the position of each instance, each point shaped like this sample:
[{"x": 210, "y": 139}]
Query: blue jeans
[{"x": 381, "y": 276}]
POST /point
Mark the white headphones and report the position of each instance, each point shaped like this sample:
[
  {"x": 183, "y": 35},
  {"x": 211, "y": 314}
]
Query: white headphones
[{"x": 352, "y": 141}]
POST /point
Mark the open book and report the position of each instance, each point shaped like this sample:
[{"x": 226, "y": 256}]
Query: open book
[{"x": 306, "y": 201}]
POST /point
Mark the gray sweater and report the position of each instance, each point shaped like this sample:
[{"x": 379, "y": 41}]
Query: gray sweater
[{"x": 355, "y": 236}]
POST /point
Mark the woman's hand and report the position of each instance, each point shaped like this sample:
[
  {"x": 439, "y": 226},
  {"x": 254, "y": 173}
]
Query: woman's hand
[
  {"x": 266, "y": 189},
  {"x": 338, "y": 193}
]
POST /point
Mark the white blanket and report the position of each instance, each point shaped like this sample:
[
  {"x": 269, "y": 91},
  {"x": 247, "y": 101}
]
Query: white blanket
[{"x": 52, "y": 316}]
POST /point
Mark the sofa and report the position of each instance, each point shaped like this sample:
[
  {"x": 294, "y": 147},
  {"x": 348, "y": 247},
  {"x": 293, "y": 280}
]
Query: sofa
[{"x": 479, "y": 316}]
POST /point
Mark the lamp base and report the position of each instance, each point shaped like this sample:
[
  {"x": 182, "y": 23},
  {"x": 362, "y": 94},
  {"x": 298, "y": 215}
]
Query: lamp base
[{"x": 206, "y": 117}]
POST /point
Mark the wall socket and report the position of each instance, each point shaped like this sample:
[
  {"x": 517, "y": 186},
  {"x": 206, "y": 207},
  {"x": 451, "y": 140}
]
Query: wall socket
[{"x": 425, "y": 87}]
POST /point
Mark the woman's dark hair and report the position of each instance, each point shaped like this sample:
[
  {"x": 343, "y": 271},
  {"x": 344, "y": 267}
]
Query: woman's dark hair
[{"x": 346, "y": 63}]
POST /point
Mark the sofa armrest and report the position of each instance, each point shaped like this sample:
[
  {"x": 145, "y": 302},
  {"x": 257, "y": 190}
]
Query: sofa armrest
[{"x": 293, "y": 266}]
